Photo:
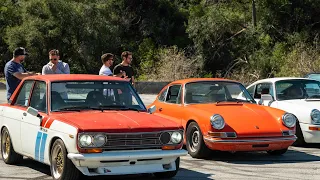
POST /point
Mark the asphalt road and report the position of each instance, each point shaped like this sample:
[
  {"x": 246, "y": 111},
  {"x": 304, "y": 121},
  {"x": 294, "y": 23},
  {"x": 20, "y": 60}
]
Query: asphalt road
[{"x": 297, "y": 163}]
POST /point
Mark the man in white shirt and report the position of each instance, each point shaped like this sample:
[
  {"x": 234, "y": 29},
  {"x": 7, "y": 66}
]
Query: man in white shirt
[{"x": 107, "y": 60}]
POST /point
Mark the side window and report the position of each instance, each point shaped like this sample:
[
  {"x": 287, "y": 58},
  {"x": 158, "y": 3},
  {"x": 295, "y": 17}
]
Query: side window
[
  {"x": 38, "y": 98},
  {"x": 263, "y": 88},
  {"x": 173, "y": 93},
  {"x": 24, "y": 94},
  {"x": 162, "y": 96},
  {"x": 251, "y": 90}
]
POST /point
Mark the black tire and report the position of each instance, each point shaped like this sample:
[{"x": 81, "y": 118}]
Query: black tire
[
  {"x": 300, "y": 141},
  {"x": 169, "y": 174},
  {"x": 8, "y": 154},
  {"x": 277, "y": 152},
  {"x": 194, "y": 142},
  {"x": 68, "y": 171}
]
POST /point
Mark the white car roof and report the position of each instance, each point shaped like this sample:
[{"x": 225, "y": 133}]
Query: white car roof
[{"x": 273, "y": 80}]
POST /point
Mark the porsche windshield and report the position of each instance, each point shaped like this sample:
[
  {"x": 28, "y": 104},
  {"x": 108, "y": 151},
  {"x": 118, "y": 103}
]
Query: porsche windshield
[
  {"x": 215, "y": 92},
  {"x": 297, "y": 89},
  {"x": 103, "y": 95}
]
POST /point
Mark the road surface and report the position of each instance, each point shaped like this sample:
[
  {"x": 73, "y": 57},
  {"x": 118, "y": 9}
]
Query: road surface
[{"x": 297, "y": 163}]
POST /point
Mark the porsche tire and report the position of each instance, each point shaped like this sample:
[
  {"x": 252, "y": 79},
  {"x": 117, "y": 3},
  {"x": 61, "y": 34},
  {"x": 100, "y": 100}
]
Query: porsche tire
[
  {"x": 300, "y": 139},
  {"x": 194, "y": 142},
  {"x": 8, "y": 154}
]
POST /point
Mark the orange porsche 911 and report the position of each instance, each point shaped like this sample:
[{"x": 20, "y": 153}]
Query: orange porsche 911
[{"x": 220, "y": 114}]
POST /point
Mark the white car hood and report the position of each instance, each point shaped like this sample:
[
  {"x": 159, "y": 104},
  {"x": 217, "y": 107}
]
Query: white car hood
[{"x": 301, "y": 108}]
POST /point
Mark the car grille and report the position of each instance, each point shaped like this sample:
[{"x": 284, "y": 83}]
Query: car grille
[{"x": 132, "y": 141}]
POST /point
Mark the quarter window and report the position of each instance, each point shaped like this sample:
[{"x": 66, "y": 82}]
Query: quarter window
[
  {"x": 24, "y": 94},
  {"x": 173, "y": 94},
  {"x": 263, "y": 88},
  {"x": 38, "y": 99},
  {"x": 162, "y": 96}
]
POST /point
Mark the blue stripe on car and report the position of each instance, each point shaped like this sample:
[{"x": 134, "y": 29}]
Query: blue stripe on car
[
  {"x": 42, "y": 147},
  {"x": 37, "y": 150}
]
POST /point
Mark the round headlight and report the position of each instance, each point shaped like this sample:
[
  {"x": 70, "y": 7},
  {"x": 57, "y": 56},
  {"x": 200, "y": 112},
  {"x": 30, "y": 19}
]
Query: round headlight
[
  {"x": 85, "y": 140},
  {"x": 165, "y": 138},
  {"x": 217, "y": 121},
  {"x": 99, "y": 140},
  {"x": 315, "y": 116},
  {"x": 176, "y": 137},
  {"x": 289, "y": 120}
]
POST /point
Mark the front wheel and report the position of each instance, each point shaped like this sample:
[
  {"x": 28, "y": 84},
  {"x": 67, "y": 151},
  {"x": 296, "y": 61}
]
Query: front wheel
[
  {"x": 9, "y": 156},
  {"x": 195, "y": 144},
  {"x": 277, "y": 152},
  {"x": 62, "y": 167},
  {"x": 169, "y": 174}
]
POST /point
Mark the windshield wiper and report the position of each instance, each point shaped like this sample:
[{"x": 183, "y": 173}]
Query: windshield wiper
[
  {"x": 117, "y": 107},
  {"x": 76, "y": 108}
]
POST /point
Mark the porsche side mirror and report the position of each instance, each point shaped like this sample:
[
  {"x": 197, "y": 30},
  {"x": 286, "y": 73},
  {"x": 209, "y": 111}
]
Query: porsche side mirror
[
  {"x": 265, "y": 97},
  {"x": 152, "y": 109}
]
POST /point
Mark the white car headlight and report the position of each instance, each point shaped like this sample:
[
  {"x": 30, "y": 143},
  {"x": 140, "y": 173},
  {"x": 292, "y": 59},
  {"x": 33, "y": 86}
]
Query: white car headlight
[
  {"x": 315, "y": 116},
  {"x": 85, "y": 140},
  {"x": 176, "y": 137},
  {"x": 99, "y": 140},
  {"x": 217, "y": 121},
  {"x": 289, "y": 120}
]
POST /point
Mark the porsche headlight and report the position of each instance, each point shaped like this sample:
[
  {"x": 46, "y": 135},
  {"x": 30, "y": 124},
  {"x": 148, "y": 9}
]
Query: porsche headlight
[
  {"x": 176, "y": 137},
  {"x": 289, "y": 120},
  {"x": 85, "y": 140},
  {"x": 99, "y": 140},
  {"x": 217, "y": 121},
  {"x": 315, "y": 116}
]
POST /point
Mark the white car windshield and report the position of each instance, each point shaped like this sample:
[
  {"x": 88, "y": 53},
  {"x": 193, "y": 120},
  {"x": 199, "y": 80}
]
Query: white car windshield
[
  {"x": 103, "y": 95},
  {"x": 215, "y": 92},
  {"x": 297, "y": 89}
]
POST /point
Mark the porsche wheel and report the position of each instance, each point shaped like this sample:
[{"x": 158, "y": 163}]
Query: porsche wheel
[
  {"x": 277, "y": 152},
  {"x": 300, "y": 141},
  {"x": 62, "y": 167},
  {"x": 9, "y": 156},
  {"x": 194, "y": 142},
  {"x": 169, "y": 174}
]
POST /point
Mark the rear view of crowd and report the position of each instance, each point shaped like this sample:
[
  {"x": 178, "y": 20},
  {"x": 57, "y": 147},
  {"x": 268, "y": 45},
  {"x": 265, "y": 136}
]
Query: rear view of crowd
[{"x": 14, "y": 71}]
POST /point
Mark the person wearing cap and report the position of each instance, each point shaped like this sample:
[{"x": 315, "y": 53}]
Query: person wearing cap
[
  {"x": 14, "y": 71},
  {"x": 56, "y": 66}
]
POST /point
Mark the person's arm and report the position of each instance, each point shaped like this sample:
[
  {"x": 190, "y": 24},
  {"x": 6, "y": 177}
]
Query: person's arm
[
  {"x": 20, "y": 75},
  {"x": 132, "y": 80}
]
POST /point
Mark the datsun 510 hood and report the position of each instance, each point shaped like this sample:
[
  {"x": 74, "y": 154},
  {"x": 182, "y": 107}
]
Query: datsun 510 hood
[
  {"x": 117, "y": 121},
  {"x": 247, "y": 120}
]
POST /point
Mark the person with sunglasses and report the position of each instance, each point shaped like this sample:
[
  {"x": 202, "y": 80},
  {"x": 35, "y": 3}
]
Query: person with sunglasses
[{"x": 56, "y": 66}]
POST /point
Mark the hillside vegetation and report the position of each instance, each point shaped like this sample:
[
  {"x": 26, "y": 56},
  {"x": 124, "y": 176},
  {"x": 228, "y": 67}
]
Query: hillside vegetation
[{"x": 170, "y": 39}]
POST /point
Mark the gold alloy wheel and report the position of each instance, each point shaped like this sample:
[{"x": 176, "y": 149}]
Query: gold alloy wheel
[
  {"x": 57, "y": 161},
  {"x": 5, "y": 144}
]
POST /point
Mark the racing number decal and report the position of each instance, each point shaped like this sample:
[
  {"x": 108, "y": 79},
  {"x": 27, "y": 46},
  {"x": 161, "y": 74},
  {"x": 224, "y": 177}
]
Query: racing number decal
[{"x": 40, "y": 146}]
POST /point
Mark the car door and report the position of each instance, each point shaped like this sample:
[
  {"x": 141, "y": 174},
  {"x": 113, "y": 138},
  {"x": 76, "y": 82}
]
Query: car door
[
  {"x": 169, "y": 103},
  {"x": 33, "y": 137}
]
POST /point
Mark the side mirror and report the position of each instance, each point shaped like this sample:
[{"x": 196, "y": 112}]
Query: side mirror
[
  {"x": 265, "y": 97},
  {"x": 152, "y": 109},
  {"x": 33, "y": 111}
]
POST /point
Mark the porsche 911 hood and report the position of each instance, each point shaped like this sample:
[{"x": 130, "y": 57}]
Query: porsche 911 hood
[
  {"x": 247, "y": 120},
  {"x": 117, "y": 121}
]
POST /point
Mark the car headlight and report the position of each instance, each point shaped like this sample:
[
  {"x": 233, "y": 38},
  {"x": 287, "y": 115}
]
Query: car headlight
[
  {"x": 217, "y": 121},
  {"x": 99, "y": 140},
  {"x": 85, "y": 140},
  {"x": 289, "y": 120},
  {"x": 176, "y": 137},
  {"x": 315, "y": 116}
]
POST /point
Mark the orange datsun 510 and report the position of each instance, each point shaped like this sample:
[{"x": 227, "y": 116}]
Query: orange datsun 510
[{"x": 220, "y": 114}]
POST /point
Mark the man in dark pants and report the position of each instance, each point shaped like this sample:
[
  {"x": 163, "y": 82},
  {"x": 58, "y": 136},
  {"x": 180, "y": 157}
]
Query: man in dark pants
[
  {"x": 14, "y": 71},
  {"x": 125, "y": 66}
]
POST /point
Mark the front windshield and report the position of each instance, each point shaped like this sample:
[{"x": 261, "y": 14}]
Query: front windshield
[
  {"x": 215, "y": 92},
  {"x": 76, "y": 95},
  {"x": 297, "y": 89}
]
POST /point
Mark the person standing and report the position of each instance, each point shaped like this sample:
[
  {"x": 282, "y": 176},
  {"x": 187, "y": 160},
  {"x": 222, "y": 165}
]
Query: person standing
[
  {"x": 125, "y": 66},
  {"x": 107, "y": 61},
  {"x": 56, "y": 66},
  {"x": 14, "y": 71}
]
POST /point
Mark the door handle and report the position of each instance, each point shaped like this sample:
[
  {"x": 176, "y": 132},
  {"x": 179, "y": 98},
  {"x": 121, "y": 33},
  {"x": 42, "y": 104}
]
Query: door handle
[
  {"x": 160, "y": 109},
  {"x": 24, "y": 113}
]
